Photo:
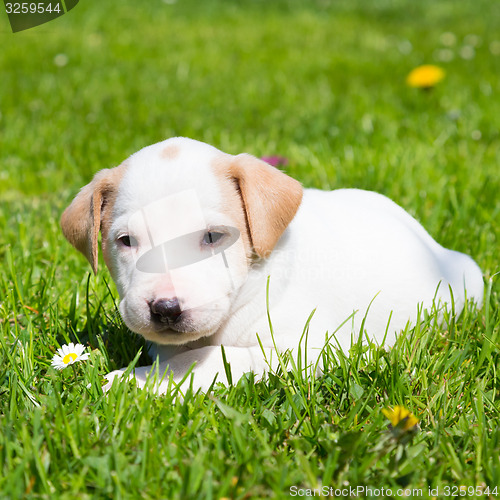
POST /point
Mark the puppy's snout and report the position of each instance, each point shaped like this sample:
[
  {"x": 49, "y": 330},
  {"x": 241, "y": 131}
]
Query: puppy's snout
[{"x": 165, "y": 310}]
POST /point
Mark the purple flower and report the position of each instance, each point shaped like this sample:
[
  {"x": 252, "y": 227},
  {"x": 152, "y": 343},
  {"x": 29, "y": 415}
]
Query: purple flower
[{"x": 275, "y": 161}]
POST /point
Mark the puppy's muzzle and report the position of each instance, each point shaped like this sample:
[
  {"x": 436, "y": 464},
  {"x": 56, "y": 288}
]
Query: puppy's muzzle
[{"x": 165, "y": 311}]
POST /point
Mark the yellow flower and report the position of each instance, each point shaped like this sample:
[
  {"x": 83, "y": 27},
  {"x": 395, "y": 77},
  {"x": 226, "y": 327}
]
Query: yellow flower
[
  {"x": 400, "y": 417},
  {"x": 425, "y": 76}
]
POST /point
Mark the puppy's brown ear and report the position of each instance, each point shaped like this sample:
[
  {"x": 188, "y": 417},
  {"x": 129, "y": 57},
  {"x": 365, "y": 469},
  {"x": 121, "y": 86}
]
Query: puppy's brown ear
[
  {"x": 270, "y": 197},
  {"x": 81, "y": 221}
]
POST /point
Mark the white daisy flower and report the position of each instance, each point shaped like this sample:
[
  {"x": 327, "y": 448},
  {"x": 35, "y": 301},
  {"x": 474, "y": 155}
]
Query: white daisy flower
[{"x": 68, "y": 354}]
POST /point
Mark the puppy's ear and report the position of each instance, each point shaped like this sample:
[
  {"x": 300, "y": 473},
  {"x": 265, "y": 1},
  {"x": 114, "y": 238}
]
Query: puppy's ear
[
  {"x": 81, "y": 221},
  {"x": 270, "y": 197}
]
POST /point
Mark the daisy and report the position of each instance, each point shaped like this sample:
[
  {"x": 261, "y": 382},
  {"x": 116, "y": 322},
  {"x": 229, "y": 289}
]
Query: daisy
[{"x": 68, "y": 354}]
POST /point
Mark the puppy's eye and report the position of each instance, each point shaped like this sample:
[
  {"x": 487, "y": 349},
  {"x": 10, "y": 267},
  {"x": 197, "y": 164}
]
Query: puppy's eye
[
  {"x": 127, "y": 241},
  {"x": 212, "y": 237}
]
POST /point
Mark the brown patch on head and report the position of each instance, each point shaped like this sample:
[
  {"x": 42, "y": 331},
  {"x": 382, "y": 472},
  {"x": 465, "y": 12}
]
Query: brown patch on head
[
  {"x": 261, "y": 199},
  {"x": 90, "y": 212},
  {"x": 170, "y": 152}
]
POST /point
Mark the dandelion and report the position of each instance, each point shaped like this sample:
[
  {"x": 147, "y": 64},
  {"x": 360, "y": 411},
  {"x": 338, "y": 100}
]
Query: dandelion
[
  {"x": 495, "y": 47},
  {"x": 448, "y": 39},
  {"x": 401, "y": 418},
  {"x": 68, "y": 354},
  {"x": 473, "y": 40},
  {"x": 444, "y": 55},
  {"x": 425, "y": 77},
  {"x": 467, "y": 52},
  {"x": 405, "y": 47},
  {"x": 61, "y": 60}
]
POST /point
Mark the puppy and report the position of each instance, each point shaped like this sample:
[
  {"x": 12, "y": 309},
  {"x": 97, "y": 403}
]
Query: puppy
[{"x": 192, "y": 235}]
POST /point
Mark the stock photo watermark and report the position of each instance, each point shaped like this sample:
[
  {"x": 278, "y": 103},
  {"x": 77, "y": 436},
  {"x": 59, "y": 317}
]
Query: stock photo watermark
[
  {"x": 348, "y": 491},
  {"x": 26, "y": 15},
  {"x": 172, "y": 239}
]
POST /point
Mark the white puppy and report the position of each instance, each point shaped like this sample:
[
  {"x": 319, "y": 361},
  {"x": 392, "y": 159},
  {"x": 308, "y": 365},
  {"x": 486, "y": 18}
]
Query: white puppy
[{"x": 191, "y": 234}]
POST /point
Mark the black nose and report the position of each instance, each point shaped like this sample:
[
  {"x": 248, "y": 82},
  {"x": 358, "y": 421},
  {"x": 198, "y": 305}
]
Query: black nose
[{"x": 165, "y": 310}]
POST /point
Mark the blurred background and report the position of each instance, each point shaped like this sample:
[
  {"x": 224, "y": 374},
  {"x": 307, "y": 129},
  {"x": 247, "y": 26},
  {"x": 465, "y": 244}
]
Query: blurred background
[{"x": 322, "y": 83}]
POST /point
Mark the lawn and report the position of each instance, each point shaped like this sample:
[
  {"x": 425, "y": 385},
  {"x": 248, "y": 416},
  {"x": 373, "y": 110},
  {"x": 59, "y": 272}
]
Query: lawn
[{"x": 321, "y": 83}]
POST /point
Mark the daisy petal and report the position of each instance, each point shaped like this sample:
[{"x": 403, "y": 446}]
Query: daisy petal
[{"x": 69, "y": 354}]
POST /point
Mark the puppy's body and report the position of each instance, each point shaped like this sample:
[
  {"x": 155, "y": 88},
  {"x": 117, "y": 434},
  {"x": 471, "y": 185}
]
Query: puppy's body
[
  {"x": 348, "y": 251},
  {"x": 352, "y": 256}
]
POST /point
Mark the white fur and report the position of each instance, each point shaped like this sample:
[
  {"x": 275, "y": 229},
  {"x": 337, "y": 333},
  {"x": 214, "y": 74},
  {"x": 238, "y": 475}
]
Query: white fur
[{"x": 348, "y": 254}]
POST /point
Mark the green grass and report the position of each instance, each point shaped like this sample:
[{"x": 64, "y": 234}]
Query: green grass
[{"x": 322, "y": 83}]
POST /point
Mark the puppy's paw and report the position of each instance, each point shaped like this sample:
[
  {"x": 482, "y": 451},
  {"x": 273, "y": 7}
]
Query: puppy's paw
[
  {"x": 110, "y": 377},
  {"x": 143, "y": 377}
]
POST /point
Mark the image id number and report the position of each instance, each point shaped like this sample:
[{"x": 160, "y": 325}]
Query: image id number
[
  {"x": 461, "y": 491},
  {"x": 32, "y": 8}
]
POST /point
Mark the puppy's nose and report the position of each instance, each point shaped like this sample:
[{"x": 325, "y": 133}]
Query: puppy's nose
[{"x": 165, "y": 310}]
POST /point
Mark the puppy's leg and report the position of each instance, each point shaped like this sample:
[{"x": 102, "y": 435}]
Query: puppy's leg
[{"x": 208, "y": 363}]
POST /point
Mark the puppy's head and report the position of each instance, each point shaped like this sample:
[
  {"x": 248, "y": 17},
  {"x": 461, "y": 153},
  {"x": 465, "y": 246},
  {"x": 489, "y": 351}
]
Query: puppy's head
[{"x": 180, "y": 224}]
